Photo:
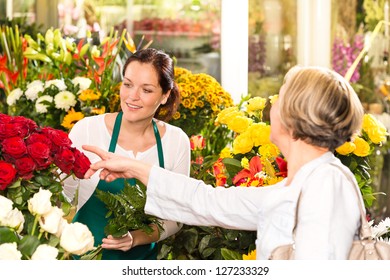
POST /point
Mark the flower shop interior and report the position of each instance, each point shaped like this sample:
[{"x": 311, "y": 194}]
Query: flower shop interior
[{"x": 225, "y": 54}]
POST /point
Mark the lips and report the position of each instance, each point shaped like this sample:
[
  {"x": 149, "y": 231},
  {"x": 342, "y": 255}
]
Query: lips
[{"x": 132, "y": 106}]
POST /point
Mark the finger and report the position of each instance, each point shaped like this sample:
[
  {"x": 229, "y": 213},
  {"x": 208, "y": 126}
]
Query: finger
[
  {"x": 96, "y": 150},
  {"x": 89, "y": 173}
]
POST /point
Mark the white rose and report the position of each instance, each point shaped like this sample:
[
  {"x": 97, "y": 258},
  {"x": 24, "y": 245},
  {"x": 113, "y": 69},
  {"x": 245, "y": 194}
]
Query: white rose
[
  {"x": 52, "y": 221},
  {"x": 5, "y": 207},
  {"x": 14, "y": 96},
  {"x": 60, "y": 84},
  {"x": 40, "y": 203},
  {"x": 64, "y": 100},
  {"x": 14, "y": 219},
  {"x": 33, "y": 90},
  {"x": 45, "y": 252},
  {"x": 76, "y": 239},
  {"x": 84, "y": 83},
  {"x": 41, "y": 107},
  {"x": 9, "y": 251}
]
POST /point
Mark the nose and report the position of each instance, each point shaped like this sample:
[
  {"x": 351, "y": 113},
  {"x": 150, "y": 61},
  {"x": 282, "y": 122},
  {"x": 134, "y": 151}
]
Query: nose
[{"x": 133, "y": 94}]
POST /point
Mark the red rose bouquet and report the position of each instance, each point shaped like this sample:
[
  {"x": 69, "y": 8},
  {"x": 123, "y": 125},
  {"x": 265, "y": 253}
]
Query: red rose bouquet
[{"x": 33, "y": 163}]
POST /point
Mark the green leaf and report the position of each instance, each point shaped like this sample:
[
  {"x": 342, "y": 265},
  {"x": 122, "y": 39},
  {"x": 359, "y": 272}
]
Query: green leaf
[
  {"x": 230, "y": 255},
  {"x": 28, "y": 245},
  {"x": 8, "y": 235},
  {"x": 204, "y": 243}
]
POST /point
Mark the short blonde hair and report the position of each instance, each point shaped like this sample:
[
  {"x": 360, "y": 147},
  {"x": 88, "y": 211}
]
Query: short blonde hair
[{"x": 320, "y": 107}]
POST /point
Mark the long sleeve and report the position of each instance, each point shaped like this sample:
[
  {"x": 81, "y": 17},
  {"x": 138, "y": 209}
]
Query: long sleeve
[{"x": 183, "y": 199}]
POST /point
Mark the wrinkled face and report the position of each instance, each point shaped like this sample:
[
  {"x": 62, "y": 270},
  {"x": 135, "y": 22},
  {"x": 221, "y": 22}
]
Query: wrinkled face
[{"x": 141, "y": 93}]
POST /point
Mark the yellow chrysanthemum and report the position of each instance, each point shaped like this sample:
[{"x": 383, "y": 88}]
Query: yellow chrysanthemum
[
  {"x": 176, "y": 115},
  {"x": 346, "y": 148},
  {"x": 256, "y": 104},
  {"x": 260, "y": 133},
  {"x": 226, "y": 153},
  {"x": 375, "y": 130},
  {"x": 89, "y": 95},
  {"x": 245, "y": 163},
  {"x": 242, "y": 144},
  {"x": 250, "y": 256},
  {"x": 273, "y": 98},
  {"x": 239, "y": 124},
  {"x": 71, "y": 118},
  {"x": 98, "y": 111},
  {"x": 362, "y": 147}
]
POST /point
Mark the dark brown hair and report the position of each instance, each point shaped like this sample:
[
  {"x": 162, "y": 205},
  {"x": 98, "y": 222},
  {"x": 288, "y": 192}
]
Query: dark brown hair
[{"x": 164, "y": 67}]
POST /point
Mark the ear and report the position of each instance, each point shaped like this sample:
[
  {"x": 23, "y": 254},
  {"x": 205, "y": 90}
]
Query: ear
[{"x": 165, "y": 97}]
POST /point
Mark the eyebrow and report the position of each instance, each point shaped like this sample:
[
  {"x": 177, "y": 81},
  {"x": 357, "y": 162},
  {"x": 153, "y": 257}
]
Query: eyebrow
[{"x": 143, "y": 84}]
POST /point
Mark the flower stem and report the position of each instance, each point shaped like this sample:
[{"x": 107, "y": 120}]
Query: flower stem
[{"x": 35, "y": 224}]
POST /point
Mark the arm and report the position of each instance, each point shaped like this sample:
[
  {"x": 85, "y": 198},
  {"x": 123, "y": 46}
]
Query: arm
[{"x": 180, "y": 198}]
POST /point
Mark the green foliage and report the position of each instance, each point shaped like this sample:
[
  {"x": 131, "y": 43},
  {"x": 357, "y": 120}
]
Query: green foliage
[
  {"x": 126, "y": 210},
  {"x": 207, "y": 243}
]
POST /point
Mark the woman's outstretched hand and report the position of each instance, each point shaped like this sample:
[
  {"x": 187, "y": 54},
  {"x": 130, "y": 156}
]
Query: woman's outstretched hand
[{"x": 114, "y": 166}]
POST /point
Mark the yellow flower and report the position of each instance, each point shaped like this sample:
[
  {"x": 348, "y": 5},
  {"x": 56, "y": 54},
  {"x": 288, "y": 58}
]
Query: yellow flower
[
  {"x": 256, "y": 104},
  {"x": 260, "y": 133},
  {"x": 250, "y": 256},
  {"x": 242, "y": 143},
  {"x": 71, "y": 118},
  {"x": 98, "y": 111},
  {"x": 272, "y": 181},
  {"x": 176, "y": 116},
  {"x": 269, "y": 150},
  {"x": 346, "y": 148},
  {"x": 362, "y": 147},
  {"x": 239, "y": 124},
  {"x": 375, "y": 130},
  {"x": 89, "y": 95},
  {"x": 273, "y": 98},
  {"x": 226, "y": 114},
  {"x": 226, "y": 153},
  {"x": 245, "y": 162}
]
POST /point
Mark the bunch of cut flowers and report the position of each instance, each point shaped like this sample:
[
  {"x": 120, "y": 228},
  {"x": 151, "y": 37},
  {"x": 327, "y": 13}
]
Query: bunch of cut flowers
[{"x": 33, "y": 163}]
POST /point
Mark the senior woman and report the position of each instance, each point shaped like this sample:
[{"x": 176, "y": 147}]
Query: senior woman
[{"x": 316, "y": 112}]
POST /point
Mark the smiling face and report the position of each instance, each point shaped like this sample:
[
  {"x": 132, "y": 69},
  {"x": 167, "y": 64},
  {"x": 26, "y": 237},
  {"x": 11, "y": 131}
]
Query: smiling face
[{"x": 141, "y": 93}]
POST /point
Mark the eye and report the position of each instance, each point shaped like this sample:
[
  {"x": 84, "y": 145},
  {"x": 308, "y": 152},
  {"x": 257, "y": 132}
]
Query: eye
[
  {"x": 127, "y": 84},
  {"x": 147, "y": 90}
]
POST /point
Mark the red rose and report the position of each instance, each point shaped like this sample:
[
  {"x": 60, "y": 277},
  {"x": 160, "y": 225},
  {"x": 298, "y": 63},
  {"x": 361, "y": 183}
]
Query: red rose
[
  {"x": 14, "y": 147},
  {"x": 7, "y": 174},
  {"x": 40, "y": 152},
  {"x": 25, "y": 167},
  {"x": 38, "y": 137},
  {"x": 64, "y": 160},
  {"x": 81, "y": 164},
  {"x": 8, "y": 130},
  {"x": 24, "y": 125},
  {"x": 5, "y": 118},
  {"x": 58, "y": 137}
]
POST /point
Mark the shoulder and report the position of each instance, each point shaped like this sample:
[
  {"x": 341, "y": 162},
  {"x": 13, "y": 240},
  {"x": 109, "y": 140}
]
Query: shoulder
[{"x": 89, "y": 121}]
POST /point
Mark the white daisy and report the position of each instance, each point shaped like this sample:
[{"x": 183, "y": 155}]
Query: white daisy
[
  {"x": 35, "y": 83},
  {"x": 64, "y": 100},
  {"x": 382, "y": 228},
  {"x": 39, "y": 106},
  {"x": 14, "y": 96},
  {"x": 33, "y": 89},
  {"x": 84, "y": 83},
  {"x": 60, "y": 84}
]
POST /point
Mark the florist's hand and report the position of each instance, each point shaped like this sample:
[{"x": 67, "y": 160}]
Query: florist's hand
[
  {"x": 114, "y": 166},
  {"x": 123, "y": 243}
]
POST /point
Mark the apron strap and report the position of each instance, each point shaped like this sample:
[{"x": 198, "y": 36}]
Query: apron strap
[{"x": 159, "y": 145}]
